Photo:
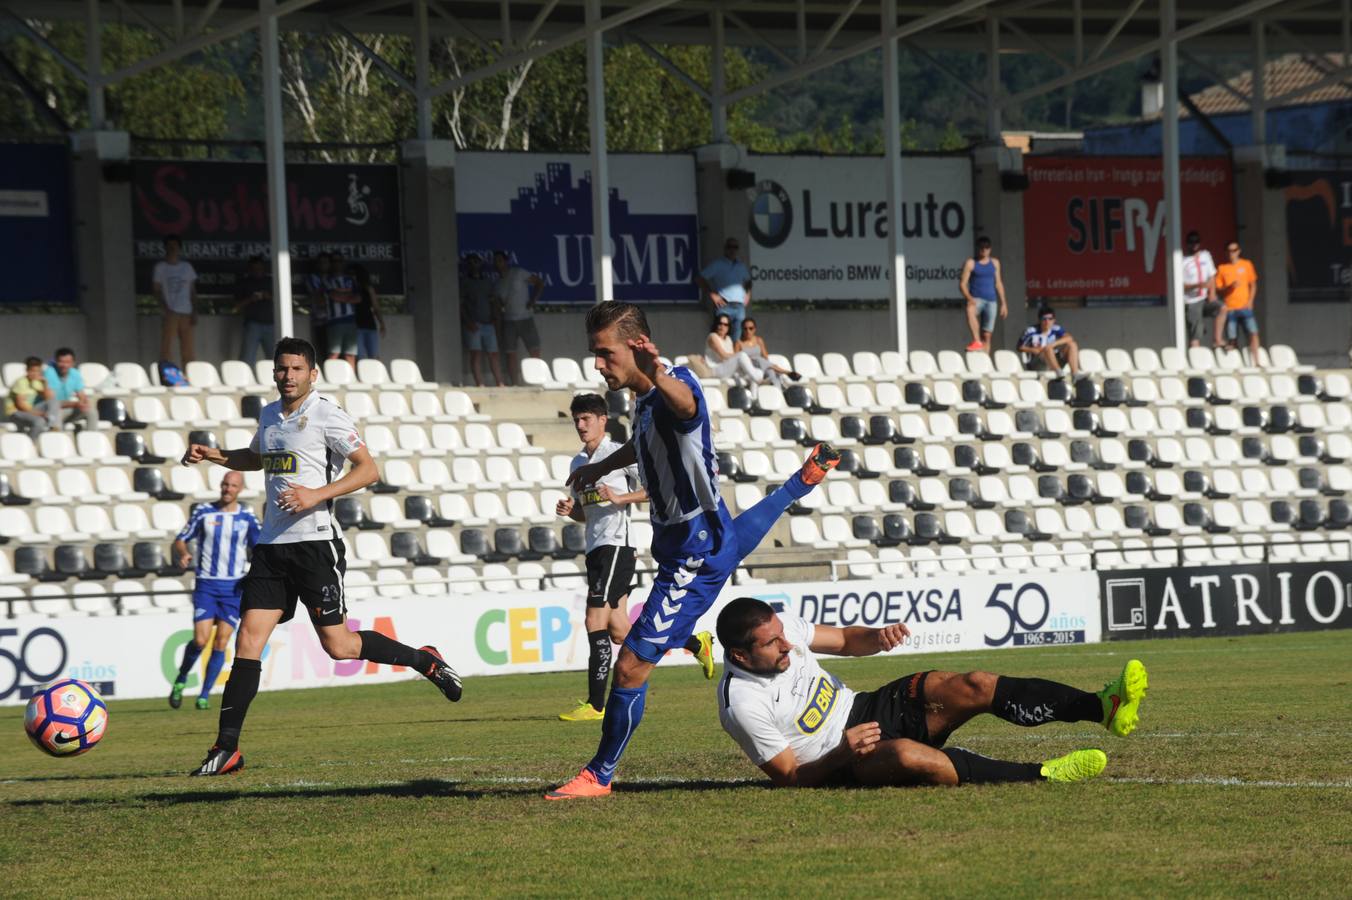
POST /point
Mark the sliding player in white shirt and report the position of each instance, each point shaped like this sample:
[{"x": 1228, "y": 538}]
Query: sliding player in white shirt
[{"x": 804, "y": 727}]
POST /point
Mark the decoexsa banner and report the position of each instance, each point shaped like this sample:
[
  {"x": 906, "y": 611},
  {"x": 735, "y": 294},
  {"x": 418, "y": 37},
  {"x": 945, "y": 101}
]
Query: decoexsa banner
[
  {"x": 1095, "y": 226},
  {"x": 819, "y": 227},
  {"x": 1319, "y": 235}
]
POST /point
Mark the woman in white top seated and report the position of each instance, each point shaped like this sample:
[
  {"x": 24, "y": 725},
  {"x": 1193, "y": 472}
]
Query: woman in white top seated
[
  {"x": 724, "y": 360},
  {"x": 753, "y": 345}
]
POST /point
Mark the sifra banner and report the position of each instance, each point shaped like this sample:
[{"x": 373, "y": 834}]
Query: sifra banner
[
  {"x": 538, "y": 208},
  {"x": 819, "y": 227},
  {"x": 1319, "y": 235},
  {"x": 1094, "y": 226},
  {"x": 220, "y": 211},
  {"x": 1195, "y": 602}
]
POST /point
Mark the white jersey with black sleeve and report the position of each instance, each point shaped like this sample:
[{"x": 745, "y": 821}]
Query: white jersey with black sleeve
[
  {"x": 607, "y": 524},
  {"x": 804, "y": 707},
  {"x": 308, "y": 448}
]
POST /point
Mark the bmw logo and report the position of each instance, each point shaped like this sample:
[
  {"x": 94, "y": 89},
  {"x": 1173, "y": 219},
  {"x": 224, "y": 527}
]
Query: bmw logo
[{"x": 771, "y": 214}]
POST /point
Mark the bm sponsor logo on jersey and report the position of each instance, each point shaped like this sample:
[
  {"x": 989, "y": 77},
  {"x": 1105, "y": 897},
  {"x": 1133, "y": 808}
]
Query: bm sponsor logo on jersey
[
  {"x": 823, "y": 695},
  {"x": 280, "y": 463}
]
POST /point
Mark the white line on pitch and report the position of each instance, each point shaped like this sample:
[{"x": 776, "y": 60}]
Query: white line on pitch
[{"x": 1234, "y": 782}]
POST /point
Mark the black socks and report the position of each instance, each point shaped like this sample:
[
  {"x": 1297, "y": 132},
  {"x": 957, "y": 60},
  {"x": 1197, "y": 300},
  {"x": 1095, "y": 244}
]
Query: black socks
[
  {"x": 1036, "y": 701},
  {"x": 378, "y": 648},
  {"x": 598, "y": 667},
  {"x": 973, "y": 768},
  {"x": 239, "y": 693}
]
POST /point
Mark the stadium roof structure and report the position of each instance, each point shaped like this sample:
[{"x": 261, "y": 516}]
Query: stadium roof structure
[{"x": 1083, "y": 37}]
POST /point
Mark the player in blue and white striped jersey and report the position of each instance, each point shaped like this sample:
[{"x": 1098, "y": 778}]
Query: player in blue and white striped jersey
[
  {"x": 697, "y": 544},
  {"x": 224, "y": 532}
]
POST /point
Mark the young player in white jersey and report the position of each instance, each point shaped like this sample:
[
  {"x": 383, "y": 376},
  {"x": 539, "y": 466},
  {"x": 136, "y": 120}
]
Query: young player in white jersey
[
  {"x": 604, "y": 507},
  {"x": 225, "y": 532},
  {"x": 301, "y": 443},
  {"x": 804, "y": 727}
]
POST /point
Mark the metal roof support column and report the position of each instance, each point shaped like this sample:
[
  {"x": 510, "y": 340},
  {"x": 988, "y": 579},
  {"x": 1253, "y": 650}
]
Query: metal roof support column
[
  {"x": 422, "y": 66},
  {"x": 94, "y": 66},
  {"x": 896, "y": 254},
  {"x": 718, "y": 110},
  {"x": 992, "y": 78},
  {"x": 275, "y": 152},
  {"x": 1173, "y": 216},
  {"x": 1258, "y": 89},
  {"x": 603, "y": 269}
]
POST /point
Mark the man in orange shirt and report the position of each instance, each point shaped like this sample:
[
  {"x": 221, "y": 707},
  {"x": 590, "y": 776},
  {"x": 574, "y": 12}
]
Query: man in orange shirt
[{"x": 1237, "y": 283}]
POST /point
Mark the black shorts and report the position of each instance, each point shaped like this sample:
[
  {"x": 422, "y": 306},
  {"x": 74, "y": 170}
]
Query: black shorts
[
  {"x": 610, "y": 573},
  {"x": 309, "y": 571},
  {"x": 898, "y": 707}
]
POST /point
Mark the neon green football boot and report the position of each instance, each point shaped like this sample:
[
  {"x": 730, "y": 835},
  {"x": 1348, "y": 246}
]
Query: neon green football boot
[
  {"x": 1121, "y": 699},
  {"x": 1077, "y": 765},
  {"x": 203, "y": 703},
  {"x": 706, "y": 653},
  {"x": 176, "y": 695},
  {"x": 583, "y": 712}
]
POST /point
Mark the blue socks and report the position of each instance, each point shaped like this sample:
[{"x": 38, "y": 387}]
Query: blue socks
[
  {"x": 753, "y": 524},
  {"x": 624, "y": 711},
  {"x": 190, "y": 654},
  {"x": 214, "y": 664}
]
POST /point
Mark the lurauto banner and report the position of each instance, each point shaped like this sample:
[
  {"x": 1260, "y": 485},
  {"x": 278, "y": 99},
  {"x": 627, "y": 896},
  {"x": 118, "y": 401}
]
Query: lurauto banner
[
  {"x": 1210, "y": 600},
  {"x": 537, "y": 207},
  {"x": 543, "y": 631},
  {"x": 819, "y": 227},
  {"x": 1319, "y": 235},
  {"x": 220, "y": 211},
  {"x": 1095, "y": 226}
]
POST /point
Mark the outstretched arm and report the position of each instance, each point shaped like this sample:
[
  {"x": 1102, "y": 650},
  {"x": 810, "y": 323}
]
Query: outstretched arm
[
  {"x": 592, "y": 472},
  {"x": 242, "y": 460},
  {"x": 857, "y": 640}
]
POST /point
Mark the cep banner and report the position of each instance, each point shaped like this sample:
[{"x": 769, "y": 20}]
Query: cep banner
[
  {"x": 220, "y": 212},
  {"x": 1195, "y": 602},
  {"x": 819, "y": 227},
  {"x": 1094, "y": 226},
  {"x": 1319, "y": 235},
  {"x": 37, "y": 244},
  {"x": 538, "y": 209}
]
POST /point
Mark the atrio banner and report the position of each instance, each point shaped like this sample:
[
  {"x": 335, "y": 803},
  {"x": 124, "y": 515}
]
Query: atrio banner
[
  {"x": 1319, "y": 235},
  {"x": 220, "y": 212},
  {"x": 819, "y": 227},
  {"x": 1095, "y": 226},
  {"x": 538, "y": 208}
]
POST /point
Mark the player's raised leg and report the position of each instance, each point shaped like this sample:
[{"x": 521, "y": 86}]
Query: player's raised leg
[{"x": 753, "y": 524}]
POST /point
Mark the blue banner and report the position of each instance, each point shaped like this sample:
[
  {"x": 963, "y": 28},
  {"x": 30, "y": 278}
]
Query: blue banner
[{"x": 37, "y": 246}]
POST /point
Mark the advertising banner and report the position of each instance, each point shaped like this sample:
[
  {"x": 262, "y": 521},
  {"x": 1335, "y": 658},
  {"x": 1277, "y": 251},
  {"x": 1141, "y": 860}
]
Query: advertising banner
[
  {"x": 1195, "y": 602},
  {"x": 1319, "y": 235},
  {"x": 220, "y": 211},
  {"x": 544, "y": 631},
  {"x": 1094, "y": 226},
  {"x": 538, "y": 208},
  {"x": 819, "y": 227},
  {"x": 37, "y": 242}
]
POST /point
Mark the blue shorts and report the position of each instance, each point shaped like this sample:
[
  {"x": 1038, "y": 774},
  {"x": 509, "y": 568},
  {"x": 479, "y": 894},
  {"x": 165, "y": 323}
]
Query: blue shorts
[
  {"x": 217, "y": 598},
  {"x": 484, "y": 338},
  {"x": 694, "y": 559},
  {"x": 1240, "y": 318},
  {"x": 986, "y": 311}
]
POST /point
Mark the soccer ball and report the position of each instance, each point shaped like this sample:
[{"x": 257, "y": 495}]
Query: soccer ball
[{"x": 66, "y": 718}]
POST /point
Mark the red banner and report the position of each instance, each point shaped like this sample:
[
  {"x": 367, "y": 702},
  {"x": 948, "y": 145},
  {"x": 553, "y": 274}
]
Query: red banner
[{"x": 1094, "y": 226}]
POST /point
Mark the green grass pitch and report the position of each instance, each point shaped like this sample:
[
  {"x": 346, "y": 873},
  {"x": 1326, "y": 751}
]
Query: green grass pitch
[{"x": 1239, "y": 781}]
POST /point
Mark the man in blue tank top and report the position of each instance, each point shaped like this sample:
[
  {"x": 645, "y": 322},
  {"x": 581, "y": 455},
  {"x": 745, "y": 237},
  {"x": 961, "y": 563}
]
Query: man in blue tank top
[{"x": 984, "y": 291}]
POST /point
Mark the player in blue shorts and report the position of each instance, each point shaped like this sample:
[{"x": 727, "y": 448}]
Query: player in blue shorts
[
  {"x": 225, "y": 532},
  {"x": 697, "y": 545}
]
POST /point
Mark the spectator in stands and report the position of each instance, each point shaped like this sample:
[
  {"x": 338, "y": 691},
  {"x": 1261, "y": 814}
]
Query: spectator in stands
[
  {"x": 1199, "y": 287},
  {"x": 317, "y": 296},
  {"x": 1237, "y": 285},
  {"x": 1048, "y": 346},
  {"x": 517, "y": 291},
  {"x": 370, "y": 325},
  {"x": 253, "y": 300},
  {"x": 479, "y": 316},
  {"x": 341, "y": 326},
  {"x": 174, "y": 282},
  {"x": 753, "y": 345},
  {"x": 728, "y": 283},
  {"x": 70, "y": 402},
  {"x": 26, "y": 403},
  {"x": 724, "y": 360},
  {"x": 984, "y": 290}
]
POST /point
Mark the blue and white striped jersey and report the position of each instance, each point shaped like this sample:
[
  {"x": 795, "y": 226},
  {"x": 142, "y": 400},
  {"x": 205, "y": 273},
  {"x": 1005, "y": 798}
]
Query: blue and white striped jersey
[
  {"x": 676, "y": 459},
  {"x": 223, "y": 540}
]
